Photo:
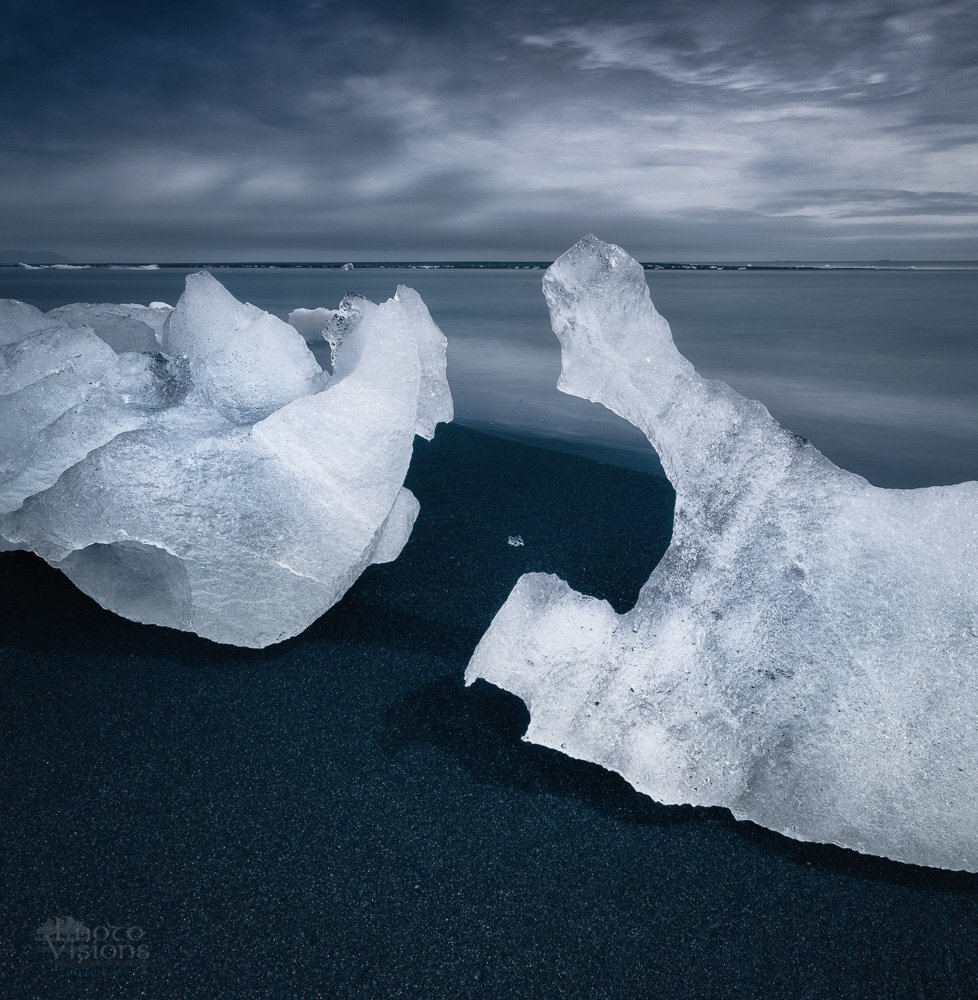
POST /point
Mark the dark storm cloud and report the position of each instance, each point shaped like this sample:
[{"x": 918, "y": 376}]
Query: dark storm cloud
[{"x": 384, "y": 128}]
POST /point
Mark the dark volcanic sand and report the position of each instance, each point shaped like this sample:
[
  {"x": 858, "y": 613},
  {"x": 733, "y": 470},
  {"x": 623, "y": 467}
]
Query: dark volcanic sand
[{"x": 337, "y": 816}]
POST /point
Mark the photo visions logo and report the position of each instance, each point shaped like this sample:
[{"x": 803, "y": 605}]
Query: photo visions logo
[{"x": 67, "y": 940}]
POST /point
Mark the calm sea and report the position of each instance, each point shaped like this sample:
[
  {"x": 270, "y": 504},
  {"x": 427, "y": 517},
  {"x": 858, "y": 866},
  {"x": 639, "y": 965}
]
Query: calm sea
[{"x": 878, "y": 368}]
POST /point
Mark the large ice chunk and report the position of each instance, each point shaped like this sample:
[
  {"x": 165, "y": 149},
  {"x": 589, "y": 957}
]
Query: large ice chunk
[
  {"x": 223, "y": 484},
  {"x": 805, "y": 654}
]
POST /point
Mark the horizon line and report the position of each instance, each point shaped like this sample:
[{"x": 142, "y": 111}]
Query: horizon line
[{"x": 456, "y": 261}]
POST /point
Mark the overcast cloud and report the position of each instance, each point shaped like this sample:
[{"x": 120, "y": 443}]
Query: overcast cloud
[{"x": 325, "y": 130}]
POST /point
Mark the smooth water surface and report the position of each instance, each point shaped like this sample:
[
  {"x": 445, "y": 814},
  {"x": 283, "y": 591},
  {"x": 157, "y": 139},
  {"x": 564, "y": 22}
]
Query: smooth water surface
[{"x": 878, "y": 368}]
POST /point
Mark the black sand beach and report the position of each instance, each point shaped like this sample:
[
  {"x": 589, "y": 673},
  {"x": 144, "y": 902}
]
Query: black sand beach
[{"x": 338, "y": 816}]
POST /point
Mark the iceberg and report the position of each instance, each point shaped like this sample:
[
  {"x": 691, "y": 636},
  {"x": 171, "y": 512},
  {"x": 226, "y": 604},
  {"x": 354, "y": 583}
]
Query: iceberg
[
  {"x": 196, "y": 467},
  {"x": 806, "y": 652}
]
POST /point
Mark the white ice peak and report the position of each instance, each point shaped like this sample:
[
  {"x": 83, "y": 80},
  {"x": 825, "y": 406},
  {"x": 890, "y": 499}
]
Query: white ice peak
[
  {"x": 195, "y": 467},
  {"x": 806, "y": 652}
]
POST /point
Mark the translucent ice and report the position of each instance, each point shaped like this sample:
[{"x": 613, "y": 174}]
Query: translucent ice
[
  {"x": 124, "y": 327},
  {"x": 323, "y": 328},
  {"x": 245, "y": 362},
  {"x": 195, "y": 467},
  {"x": 19, "y": 320},
  {"x": 806, "y": 652}
]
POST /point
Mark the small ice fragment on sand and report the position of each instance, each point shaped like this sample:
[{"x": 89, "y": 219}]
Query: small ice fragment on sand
[{"x": 803, "y": 654}]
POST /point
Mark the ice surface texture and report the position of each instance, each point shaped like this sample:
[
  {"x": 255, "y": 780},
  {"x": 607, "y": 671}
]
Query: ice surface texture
[
  {"x": 806, "y": 652},
  {"x": 196, "y": 467}
]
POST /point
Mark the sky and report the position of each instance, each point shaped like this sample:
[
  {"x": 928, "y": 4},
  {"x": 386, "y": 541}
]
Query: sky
[{"x": 391, "y": 129}]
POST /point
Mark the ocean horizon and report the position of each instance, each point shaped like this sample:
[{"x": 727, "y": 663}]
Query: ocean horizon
[
  {"x": 878, "y": 367},
  {"x": 512, "y": 265}
]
